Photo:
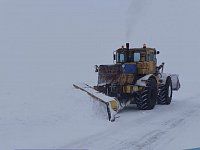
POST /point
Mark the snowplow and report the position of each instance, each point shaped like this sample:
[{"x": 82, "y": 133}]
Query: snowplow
[{"x": 134, "y": 78}]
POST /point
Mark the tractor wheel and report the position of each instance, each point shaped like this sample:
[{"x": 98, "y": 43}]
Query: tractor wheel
[
  {"x": 146, "y": 99},
  {"x": 165, "y": 93}
]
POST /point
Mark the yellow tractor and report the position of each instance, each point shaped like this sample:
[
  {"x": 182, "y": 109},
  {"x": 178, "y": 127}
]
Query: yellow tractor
[{"x": 134, "y": 78}]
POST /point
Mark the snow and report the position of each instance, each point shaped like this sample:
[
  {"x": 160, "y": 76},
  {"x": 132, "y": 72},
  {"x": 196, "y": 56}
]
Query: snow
[{"x": 47, "y": 45}]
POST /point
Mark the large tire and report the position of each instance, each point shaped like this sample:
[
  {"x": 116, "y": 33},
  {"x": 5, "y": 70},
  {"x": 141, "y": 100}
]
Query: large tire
[
  {"x": 165, "y": 93},
  {"x": 146, "y": 99}
]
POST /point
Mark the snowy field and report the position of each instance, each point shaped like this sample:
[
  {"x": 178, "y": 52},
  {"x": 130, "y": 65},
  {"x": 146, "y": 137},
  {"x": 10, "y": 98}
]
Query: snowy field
[{"x": 47, "y": 45}]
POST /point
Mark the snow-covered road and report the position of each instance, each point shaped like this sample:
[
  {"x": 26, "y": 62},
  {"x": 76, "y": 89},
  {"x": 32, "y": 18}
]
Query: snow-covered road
[{"x": 166, "y": 127}]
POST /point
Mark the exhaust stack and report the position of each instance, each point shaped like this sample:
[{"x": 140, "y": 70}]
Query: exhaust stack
[{"x": 127, "y": 46}]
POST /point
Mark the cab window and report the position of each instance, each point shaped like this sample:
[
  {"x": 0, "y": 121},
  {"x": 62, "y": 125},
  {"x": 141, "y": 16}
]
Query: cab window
[
  {"x": 137, "y": 57},
  {"x": 151, "y": 57},
  {"x": 121, "y": 57}
]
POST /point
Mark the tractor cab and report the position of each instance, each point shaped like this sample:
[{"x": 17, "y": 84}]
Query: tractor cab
[{"x": 144, "y": 58}]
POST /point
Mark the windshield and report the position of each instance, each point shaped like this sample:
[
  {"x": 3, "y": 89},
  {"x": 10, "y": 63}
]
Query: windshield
[{"x": 135, "y": 57}]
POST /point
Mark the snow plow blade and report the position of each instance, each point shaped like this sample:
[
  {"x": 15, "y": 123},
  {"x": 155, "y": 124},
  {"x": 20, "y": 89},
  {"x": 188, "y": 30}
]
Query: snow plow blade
[{"x": 112, "y": 105}]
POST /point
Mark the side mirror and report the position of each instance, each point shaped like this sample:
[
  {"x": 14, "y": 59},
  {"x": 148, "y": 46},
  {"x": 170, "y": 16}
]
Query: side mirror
[
  {"x": 158, "y": 52},
  {"x": 114, "y": 56}
]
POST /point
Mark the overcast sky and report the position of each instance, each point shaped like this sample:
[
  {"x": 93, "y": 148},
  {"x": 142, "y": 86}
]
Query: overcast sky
[{"x": 40, "y": 37}]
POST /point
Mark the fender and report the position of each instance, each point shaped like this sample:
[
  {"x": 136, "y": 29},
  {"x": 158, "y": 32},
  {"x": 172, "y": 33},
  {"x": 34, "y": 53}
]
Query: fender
[
  {"x": 142, "y": 81},
  {"x": 175, "y": 80}
]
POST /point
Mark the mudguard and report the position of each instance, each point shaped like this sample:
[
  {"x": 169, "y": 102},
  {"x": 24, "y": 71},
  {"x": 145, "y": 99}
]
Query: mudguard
[
  {"x": 162, "y": 76},
  {"x": 175, "y": 80},
  {"x": 142, "y": 81}
]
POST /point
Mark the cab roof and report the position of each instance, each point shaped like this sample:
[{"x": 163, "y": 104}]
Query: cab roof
[{"x": 136, "y": 50}]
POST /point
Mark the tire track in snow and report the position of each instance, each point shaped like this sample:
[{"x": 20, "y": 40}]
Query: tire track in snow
[
  {"x": 147, "y": 141},
  {"x": 111, "y": 136}
]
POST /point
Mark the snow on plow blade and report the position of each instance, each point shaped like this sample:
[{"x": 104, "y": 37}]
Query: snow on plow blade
[{"x": 111, "y": 104}]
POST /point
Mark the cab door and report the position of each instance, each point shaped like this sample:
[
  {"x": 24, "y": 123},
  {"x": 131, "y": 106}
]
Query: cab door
[{"x": 152, "y": 62}]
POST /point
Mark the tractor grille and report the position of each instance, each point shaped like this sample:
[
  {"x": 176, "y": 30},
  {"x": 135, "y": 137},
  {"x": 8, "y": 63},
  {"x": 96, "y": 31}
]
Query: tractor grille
[{"x": 109, "y": 74}]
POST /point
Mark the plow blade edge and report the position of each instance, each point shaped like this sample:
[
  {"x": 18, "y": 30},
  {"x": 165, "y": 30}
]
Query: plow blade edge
[{"x": 112, "y": 105}]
